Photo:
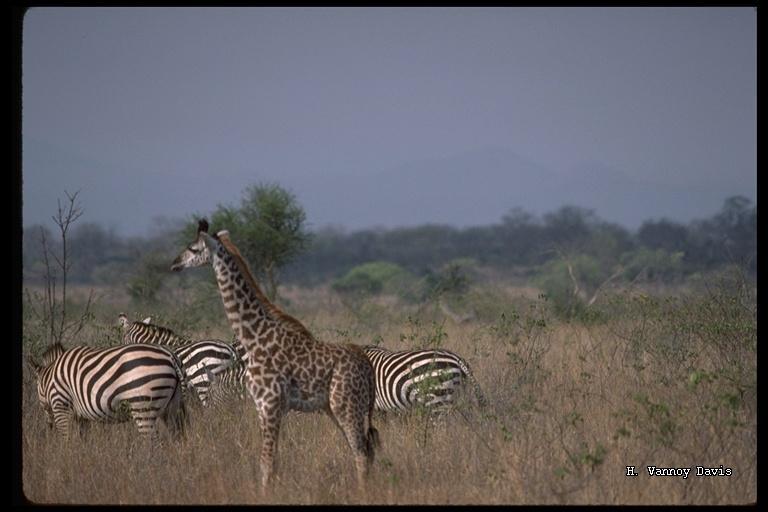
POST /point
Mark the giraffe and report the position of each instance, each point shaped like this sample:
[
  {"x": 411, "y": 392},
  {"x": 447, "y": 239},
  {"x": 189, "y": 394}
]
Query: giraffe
[{"x": 287, "y": 367}]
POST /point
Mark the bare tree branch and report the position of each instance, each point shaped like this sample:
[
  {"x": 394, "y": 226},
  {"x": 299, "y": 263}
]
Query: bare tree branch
[
  {"x": 50, "y": 288},
  {"x": 459, "y": 319},
  {"x": 55, "y": 309},
  {"x": 613, "y": 276},
  {"x": 64, "y": 221},
  {"x": 80, "y": 323},
  {"x": 567, "y": 261},
  {"x": 31, "y": 304}
]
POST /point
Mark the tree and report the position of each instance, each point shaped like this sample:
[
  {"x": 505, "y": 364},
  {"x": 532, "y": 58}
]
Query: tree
[
  {"x": 730, "y": 236},
  {"x": 569, "y": 226},
  {"x": 50, "y": 308},
  {"x": 268, "y": 228},
  {"x": 93, "y": 246},
  {"x": 663, "y": 234},
  {"x": 737, "y": 226}
]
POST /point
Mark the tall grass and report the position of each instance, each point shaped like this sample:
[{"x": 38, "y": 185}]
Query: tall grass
[{"x": 668, "y": 381}]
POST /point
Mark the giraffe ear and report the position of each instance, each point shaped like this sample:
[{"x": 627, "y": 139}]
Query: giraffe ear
[{"x": 202, "y": 225}]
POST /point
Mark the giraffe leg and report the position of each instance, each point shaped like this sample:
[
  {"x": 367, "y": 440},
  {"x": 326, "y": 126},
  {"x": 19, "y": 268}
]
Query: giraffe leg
[
  {"x": 350, "y": 414},
  {"x": 269, "y": 419}
]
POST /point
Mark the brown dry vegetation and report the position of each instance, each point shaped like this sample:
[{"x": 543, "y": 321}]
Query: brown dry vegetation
[{"x": 664, "y": 381}]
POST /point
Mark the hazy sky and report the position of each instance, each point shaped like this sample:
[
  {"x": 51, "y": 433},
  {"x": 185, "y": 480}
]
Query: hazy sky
[{"x": 168, "y": 111}]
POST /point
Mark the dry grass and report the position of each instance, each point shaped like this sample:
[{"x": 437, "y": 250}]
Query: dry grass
[{"x": 571, "y": 406}]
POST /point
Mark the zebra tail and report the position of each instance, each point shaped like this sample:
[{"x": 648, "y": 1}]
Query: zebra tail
[
  {"x": 176, "y": 412},
  {"x": 482, "y": 401},
  {"x": 186, "y": 385},
  {"x": 185, "y": 389}
]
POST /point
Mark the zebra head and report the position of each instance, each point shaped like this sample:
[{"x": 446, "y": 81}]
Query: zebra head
[
  {"x": 196, "y": 253},
  {"x": 122, "y": 320}
]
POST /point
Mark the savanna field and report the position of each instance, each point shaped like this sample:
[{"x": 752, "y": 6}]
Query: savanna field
[{"x": 646, "y": 376}]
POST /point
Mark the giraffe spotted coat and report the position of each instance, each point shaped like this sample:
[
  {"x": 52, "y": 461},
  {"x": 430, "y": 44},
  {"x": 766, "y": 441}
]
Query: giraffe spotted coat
[{"x": 287, "y": 367}]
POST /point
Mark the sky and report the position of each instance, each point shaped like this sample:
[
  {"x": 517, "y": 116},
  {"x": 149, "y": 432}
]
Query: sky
[{"x": 388, "y": 116}]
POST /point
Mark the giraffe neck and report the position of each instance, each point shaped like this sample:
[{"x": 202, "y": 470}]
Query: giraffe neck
[{"x": 248, "y": 311}]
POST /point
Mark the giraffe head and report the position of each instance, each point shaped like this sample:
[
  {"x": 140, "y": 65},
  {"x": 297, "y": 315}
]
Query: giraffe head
[{"x": 197, "y": 253}]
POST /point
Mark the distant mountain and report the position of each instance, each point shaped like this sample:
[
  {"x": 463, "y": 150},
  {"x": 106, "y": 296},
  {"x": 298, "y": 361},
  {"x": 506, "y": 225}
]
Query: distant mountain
[
  {"x": 630, "y": 201},
  {"x": 479, "y": 187},
  {"x": 468, "y": 189},
  {"x": 471, "y": 188}
]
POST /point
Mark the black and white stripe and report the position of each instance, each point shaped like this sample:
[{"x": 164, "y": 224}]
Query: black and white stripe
[
  {"x": 139, "y": 382},
  {"x": 146, "y": 332},
  {"x": 200, "y": 360},
  {"x": 205, "y": 360},
  {"x": 229, "y": 384},
  {"x": 428, "y": 377}
]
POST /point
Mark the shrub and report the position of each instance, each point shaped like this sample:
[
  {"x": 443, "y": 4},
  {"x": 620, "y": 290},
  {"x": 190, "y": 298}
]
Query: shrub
[
  {"x": 568, "y": 293},
  {"x": 372, "y": 278}
]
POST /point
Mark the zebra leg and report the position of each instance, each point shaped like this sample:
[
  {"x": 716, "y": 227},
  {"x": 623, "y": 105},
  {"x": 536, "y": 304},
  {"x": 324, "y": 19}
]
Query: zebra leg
[
  {"x": 83, "y": 426},
  {"x": 145, "y": 415},
  {"x": 49, "y": 418},
  {"x": 62, "y": 417}
]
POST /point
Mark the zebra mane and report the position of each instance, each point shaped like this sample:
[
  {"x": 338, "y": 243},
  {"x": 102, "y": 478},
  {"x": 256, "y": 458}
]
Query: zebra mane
[
  {"x": 272, "y": 309},
  {"x": 162, "y": 330},
  {"x": 52, "y": 353}
]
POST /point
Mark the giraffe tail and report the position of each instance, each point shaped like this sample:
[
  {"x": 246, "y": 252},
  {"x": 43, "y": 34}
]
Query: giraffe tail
[
  {"x": 372, "y": 440},
  {"x": 371, "y": 443}
]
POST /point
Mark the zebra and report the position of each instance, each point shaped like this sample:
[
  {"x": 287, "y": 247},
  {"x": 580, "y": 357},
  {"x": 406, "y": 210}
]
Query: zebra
[
  {"x": 146, "y": 332},
  {"x": 201, "y": 360},
  {"x": 229, "y": 384},
  {"x": 427, "y": 377},
  {"x": 103, "y": 384}
]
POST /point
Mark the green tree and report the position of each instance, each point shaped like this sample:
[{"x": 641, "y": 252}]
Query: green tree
[
  {"x": 652, "y": 264},
  {"x": 147, "y": 280},
  {"x": 268, "y": 227}
]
